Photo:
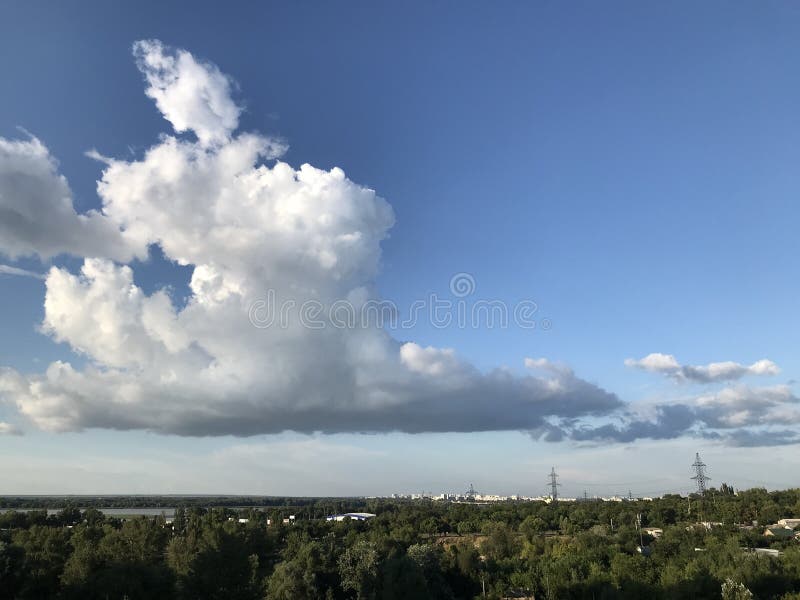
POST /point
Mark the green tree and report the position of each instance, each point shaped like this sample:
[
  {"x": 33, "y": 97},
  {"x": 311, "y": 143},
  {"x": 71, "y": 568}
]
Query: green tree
[
  {"x": 403, "y": 580},
  {"x": 734, "y": 590},
  {"x": 532, "y": 527},
  {"x": 290, "y": 582},
  {"x": 179, "y": 522},
  {"x": 45, "y": 550},
  {"x": 359, "y": 568},
  {"x": 501, "y": 541},
  {"x": 428, "y": 560},
  {"x": 69, "y": 515},
  {"x": 11, "y": 570}
]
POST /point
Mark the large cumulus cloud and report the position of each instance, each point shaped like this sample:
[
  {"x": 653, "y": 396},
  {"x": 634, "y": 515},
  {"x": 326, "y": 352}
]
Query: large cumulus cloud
[{"x": 246, "y": 223}]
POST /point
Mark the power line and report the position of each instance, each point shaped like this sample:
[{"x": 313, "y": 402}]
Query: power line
[{"x": 638, "y": 482}]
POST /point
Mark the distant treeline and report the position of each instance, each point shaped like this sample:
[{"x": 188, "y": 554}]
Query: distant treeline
[{"x": 56, "y": 502}]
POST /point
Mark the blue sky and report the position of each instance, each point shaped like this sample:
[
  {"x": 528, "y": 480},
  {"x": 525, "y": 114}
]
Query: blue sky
[{"x": 630, "y": 168}]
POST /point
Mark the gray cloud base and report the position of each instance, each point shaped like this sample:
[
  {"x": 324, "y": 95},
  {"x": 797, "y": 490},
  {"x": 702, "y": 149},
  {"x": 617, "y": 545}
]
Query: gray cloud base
[{"x": 71, "y": 401}]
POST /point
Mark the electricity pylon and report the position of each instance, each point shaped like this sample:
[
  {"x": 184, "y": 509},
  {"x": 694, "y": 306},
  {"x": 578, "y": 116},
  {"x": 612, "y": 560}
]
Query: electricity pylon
[
  {"x": 700, "y": 476},
  {"x": 554, "y": 485}
]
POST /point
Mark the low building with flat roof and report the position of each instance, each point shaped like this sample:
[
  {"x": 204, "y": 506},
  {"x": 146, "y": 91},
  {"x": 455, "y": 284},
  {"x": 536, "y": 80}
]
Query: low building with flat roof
[
  {"x": 793, "y": 523},
  {"x": 357, "y": 516}
]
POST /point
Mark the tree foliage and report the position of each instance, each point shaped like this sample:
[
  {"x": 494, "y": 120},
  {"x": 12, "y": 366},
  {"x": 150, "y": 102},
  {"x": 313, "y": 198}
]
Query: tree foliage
[{"x": 419, "y": 550}]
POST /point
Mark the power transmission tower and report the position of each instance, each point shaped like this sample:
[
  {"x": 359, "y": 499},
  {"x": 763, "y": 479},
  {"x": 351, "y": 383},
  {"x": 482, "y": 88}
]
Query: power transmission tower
[
  {"x": 471, "y": 493},
  {"x": 554, "y": 485},
  {"x": 700, "y": 476},
  {"x": 639, "y": 528}
]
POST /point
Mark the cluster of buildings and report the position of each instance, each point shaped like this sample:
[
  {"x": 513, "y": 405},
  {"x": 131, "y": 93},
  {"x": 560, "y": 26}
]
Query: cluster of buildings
[
  {"x": 468, "y": 497},
  {"x": 354, "y": 516},
  {"x": 482, "y": 498},
  {"x": 784, "y": 529}
]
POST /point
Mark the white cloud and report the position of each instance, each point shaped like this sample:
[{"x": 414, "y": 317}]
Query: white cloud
[
  {"x": 249, "y": 224},
  {"x": 37, "y": 217},
  {"x": 430, "y": 360},
  {"x": 713, "y": 372},
  {"x": 726, "y": 371},
  {"x": 102, "y": 314},
  {"x": 656, "y": 362},
  {"x": 192, "y": 95},
  {"x": 537, "y": 363}
]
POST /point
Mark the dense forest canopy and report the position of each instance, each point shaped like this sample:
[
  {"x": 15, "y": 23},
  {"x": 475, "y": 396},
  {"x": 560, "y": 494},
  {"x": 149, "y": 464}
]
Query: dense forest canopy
[{"x": 665, "y": 548}]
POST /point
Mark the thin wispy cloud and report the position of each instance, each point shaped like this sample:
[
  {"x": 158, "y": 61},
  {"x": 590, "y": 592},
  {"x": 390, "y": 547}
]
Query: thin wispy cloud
[{"x": 9, "y": 270}]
